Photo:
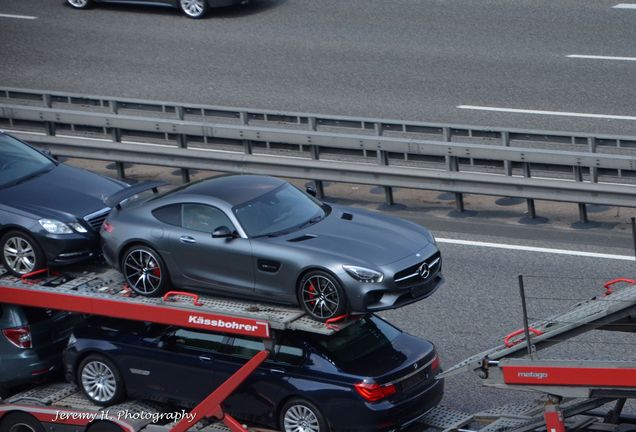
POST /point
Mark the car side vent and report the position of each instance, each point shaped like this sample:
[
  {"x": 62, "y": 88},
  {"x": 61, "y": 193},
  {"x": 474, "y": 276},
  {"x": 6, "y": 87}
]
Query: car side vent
[
  {"x": 346, "y": 216},
  {"x": 302, "y": 238}
]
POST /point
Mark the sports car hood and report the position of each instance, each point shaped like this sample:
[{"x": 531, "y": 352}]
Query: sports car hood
[
  {"x": 64, "y": 189},
  {"x": 363, "y": 235}
]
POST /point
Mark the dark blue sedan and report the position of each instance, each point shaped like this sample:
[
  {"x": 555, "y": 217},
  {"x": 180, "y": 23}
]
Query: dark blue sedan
[
  {"x": 370, "y": 376},
  {"x": 50, "y": 213}
]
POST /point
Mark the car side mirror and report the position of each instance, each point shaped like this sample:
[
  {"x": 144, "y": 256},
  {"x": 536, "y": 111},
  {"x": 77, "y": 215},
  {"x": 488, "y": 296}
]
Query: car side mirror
[
  {"x": 311, "y": 191},
  {"x": 222, "y": 232}
]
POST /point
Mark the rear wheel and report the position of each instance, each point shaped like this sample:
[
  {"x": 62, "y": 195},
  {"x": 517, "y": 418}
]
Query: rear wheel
[
  {"x": 299, "y": 415},
  {"x": 144, "y": 271},
  {"x": 100, "y": 380},
  {"x": 20, "y": 422},
  {"x": 321, "y": 295},
  {"x": 194, "y": 8},
  {"x": 21, "y": 254},
  {"x": 80, "y": 4}
]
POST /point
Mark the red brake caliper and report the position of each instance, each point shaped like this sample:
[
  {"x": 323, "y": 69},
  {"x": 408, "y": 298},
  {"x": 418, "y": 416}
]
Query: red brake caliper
[
  {"x": 156, "y": 271},
  {"x": 312, "y": 291}
]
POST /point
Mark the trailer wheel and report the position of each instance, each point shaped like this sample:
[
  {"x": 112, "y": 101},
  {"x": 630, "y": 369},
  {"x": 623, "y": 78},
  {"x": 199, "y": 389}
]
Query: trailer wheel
[
  {"x": 20, "y": 422},
  {"x": 103, "y": 426},
  {"x": 100, "y": 380}
]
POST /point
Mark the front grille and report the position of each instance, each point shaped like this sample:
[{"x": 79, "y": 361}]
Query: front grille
[
  {"x": 410, "y": 276},
  {"x": 95, "y": 220}
]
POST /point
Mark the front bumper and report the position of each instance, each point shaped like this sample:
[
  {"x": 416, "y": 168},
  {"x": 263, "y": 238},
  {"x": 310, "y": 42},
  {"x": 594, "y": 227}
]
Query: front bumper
[{"x": 62, "y": 249}]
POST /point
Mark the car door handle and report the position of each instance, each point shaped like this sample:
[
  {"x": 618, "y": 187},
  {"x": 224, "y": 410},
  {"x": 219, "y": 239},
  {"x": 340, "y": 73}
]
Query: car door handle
[
  {"x": 277, "y": 371},
  {"x": 205, "y": 358},
  {"x": 187, "y": 239}
]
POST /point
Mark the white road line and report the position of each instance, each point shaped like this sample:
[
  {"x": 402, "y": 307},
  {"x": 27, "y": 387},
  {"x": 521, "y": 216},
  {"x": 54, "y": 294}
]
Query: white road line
[
  {"x": 26, "y": 17},
  {"x": 598, "y": 57},
  {"x": 625, "y": 6},
  {"x": 551, "y": 113},
  {"x": 535, "y": 249}
]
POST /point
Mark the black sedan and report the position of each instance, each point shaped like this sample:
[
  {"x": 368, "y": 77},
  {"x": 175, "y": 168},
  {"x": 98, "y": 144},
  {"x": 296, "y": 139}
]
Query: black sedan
[
  {"x": 259, "y": 237},
  {"x": 50, "y": 213},
  {"x": 191, "y": 8},
  {"x": 368, "y": 377}
]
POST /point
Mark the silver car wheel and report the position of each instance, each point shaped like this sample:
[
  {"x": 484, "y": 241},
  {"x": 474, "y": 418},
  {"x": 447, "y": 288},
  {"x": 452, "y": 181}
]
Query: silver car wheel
[
  {"x": 193, "y": 8},
  {"x": 78, "y": 3},
  {"x": 19, "y": 255},
  {"x": 300, "y": 418},
  {"x": 98, "y": 381},
  {"x": 142, "y": 271},
  {"x": 321, "y": 297}
]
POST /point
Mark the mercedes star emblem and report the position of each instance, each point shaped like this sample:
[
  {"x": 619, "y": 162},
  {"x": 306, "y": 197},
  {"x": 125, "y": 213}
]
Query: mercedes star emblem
[{"x": 424, "y": 271}]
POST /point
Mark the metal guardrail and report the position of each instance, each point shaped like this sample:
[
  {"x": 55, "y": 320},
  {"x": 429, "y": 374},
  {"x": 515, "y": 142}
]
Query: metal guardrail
[{"x": 187, "y": 133}]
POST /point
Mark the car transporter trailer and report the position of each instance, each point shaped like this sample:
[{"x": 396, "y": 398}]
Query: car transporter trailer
[{"x": 574, "y": 389}]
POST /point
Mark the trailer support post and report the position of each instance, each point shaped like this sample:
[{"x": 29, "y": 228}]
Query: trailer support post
[{"x": 553, "y": 417}]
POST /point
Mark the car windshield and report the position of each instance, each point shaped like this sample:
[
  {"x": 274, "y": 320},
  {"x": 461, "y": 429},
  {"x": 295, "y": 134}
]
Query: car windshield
[
  {"x": 283, "y": 210},
  {"x": 359, "y": 340},
  {"x": 19, "y": 162}
]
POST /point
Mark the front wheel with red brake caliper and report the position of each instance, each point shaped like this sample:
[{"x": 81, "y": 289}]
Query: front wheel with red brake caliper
[{"x": 321, "y": 295}]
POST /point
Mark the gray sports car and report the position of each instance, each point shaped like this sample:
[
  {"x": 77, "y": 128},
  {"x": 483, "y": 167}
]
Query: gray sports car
[{"x": 261, "y": 238}]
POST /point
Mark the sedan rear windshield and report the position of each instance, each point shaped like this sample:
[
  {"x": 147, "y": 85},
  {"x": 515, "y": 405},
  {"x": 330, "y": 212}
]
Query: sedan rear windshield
[
  {"x": 19, "y": 162},
  {"x": 359, "y": 340}
]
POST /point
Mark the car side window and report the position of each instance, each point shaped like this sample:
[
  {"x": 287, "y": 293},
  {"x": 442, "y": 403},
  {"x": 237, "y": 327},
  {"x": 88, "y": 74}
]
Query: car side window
[
  {"x": 289, "y": 352},
  {"x": 247, "y": 348},
  {"x": 204, "y": 218},
  {"x": 201, "y": 341},
  {"x": 170, "y": 214}
]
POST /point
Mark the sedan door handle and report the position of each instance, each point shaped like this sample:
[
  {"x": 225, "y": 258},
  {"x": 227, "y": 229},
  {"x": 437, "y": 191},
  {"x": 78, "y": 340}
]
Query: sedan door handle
[
  {"x": 187, "y": 239},
  {"x": 205, "y": 358},
  {"x": 277, "y": 371}
]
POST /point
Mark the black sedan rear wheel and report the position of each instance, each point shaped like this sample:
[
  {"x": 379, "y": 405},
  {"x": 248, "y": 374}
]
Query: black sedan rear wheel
[
  {"x": 194, "y": 8},
  {"x": 321, "y": 295},
  {"x": 21, "y": 254},
  {"x": 144, "y": 271},
  {"x": 299, "y": 415},
  {"x": 80, "y": 4},
  {"x": 100, "y": 380}
]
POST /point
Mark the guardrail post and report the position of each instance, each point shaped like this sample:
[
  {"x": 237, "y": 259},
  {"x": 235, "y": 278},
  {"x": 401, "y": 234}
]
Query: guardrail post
[
  {"x": 49, "y": 126},
  {"x": 182, "y": 141},
  {"x": 532, "y": 212},
  {"x": 383, "y": 159},
  {"x": 578, "y": 176},
  {"x": 505, "y": 138},
  {"x": 591, "y": 141},
  {"x": 247, "y": 144},
  {"x": 315, "y": 154},
  {"x": 452, "y": 164}
]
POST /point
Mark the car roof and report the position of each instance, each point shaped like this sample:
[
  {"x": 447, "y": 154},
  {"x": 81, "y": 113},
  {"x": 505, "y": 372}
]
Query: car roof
[{"x": 233, "y": 189}]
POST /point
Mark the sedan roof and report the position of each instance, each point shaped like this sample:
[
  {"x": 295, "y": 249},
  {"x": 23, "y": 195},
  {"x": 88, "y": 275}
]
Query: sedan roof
[{"x": 233, "y": 189}]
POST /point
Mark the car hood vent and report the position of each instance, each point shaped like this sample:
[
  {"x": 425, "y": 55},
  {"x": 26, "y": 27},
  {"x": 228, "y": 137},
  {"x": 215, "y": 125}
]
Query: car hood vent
[
  {"x": 346, "y": 216},
  {"x": 302, "y": 238}
]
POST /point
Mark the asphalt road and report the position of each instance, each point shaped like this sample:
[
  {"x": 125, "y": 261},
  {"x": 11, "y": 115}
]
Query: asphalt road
[{"x": 406, "y": 59}]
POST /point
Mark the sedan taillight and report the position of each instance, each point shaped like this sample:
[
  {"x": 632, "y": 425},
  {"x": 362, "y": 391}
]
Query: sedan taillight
[
  {"x": 18, "y": 336},
  {"x": 374, "y": 392}
]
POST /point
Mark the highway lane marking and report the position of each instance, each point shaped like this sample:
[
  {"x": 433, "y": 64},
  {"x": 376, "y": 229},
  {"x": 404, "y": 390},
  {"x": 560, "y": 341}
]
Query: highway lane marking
[
  {"x": 535, "y": 249},
  {"x": 544, "y": 112},
  {"x": 598, "y": 57},
  {"x": 625, "y": 6},
  {"x": 26, "y": 17}
]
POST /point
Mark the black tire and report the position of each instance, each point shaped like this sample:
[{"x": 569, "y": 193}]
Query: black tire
[
  {"x": 195, "y": 9},
  {"x": 103, "y": 426},
  {"x": 321, "y": 295},
  {"x": 100, "y": 380},
  {"x": 144, "y": 271},
  {"x": 18, "y": 421},
  {"x": 80, "y": 4},
  {"x": 20, "y": 253},
  {"x": 295, "y": 411}
]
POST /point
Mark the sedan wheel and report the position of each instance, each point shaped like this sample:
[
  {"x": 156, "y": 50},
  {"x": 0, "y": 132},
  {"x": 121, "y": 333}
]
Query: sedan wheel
[
  {"x": 80, "y": 4},
  {"x": 100, "y": 380},
  {"x": 194, "y": 8},
  {"x": 144, "y": 271},
  {"x": 321, "y": 295},
  {"x": 21, "y": 254},
  {"x": 301, "y": 416}
]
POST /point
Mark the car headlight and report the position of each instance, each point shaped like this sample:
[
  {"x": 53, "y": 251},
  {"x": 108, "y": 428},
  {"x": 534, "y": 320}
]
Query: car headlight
[
  {"x": 363, "y": 274},
  {"x": 55, "y": 226},
  {"x": 78, "y": 227}
]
